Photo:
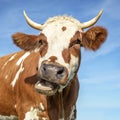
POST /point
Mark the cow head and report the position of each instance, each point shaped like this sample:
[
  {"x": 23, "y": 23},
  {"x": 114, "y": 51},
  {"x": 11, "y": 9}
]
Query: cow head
[{"x": 59, "y": 46}]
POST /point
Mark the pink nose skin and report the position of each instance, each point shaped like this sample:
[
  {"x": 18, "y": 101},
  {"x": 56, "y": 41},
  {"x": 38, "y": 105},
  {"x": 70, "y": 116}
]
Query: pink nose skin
[{"x": 53, "y": 73}]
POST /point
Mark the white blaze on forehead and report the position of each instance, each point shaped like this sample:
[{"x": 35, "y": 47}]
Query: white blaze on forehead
[
  {"x": 32, "y": 114},
  {"x": 19, "y": 62},
  {"x": 58, "y": 40}
]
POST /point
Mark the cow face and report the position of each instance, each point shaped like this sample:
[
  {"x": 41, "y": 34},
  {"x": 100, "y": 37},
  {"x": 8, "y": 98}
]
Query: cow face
[
  {"x": 60, "y": 62},
  {"x": 59, "y": 46}
]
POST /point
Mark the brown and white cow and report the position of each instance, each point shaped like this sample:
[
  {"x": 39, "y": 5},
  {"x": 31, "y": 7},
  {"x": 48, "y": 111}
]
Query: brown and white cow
[{"x": 40, "y": 82}]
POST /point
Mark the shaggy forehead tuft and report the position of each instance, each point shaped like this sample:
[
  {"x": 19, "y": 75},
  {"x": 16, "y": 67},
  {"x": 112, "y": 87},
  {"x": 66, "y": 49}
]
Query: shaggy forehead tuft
[{"x": 62, "y": 18}]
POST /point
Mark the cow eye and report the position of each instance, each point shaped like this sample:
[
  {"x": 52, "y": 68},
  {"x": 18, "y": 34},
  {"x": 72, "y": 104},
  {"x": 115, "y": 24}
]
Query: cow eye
[
  {"x": 75, "y": 42},
  {"x": 41, "y": 42}
]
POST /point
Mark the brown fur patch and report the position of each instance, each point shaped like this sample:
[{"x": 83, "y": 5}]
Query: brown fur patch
[
  {"x": 30, "y": 42},
  {"x": 53, "y": 59},
  {"x": 75, "y": 37},
  {"x": 24, "y": 41},
  {"x": 75, "y": 50},
  {"x": 44, "y": 47},
  {"x": 94, "y": 38},
  {"x": 64, "y": 28},
  {"x": 66, "y": 55},
  {"x": 43, "y": 50}
]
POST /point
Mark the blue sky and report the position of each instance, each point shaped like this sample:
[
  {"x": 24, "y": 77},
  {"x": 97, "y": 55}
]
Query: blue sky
[{"x": 99, "y": 74}]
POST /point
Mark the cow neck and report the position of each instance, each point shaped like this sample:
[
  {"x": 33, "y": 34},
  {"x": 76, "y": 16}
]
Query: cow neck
[
  {"x": 61, "y": 106},
  {"x": 62, "y": 114}
]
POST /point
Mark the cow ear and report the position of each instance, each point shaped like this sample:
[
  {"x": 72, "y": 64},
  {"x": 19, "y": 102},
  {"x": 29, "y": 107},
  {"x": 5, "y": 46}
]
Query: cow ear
[
  {"x": 24, "y": 41},
  {"x": 94, "y": 38}
]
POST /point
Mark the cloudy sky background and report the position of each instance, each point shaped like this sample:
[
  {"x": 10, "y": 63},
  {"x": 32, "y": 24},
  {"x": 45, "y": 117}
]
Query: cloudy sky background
[{"x": 99, "y": 74}]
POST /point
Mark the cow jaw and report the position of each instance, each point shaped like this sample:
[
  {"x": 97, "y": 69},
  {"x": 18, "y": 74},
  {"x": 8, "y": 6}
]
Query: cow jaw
[{"x": 46, "y": 87}]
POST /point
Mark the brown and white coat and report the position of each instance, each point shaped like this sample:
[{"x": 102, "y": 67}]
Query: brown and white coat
[{"x": 40, "y": 82}]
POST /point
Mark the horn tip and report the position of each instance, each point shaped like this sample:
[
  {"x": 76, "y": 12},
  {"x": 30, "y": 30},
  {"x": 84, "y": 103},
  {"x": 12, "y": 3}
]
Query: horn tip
[
  {"x": 101, "y": 11},
  {"x": 24, "y": 12}
]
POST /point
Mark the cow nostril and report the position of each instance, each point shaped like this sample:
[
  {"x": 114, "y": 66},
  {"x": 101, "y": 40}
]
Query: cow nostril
[{"x": 61, "y": 72}]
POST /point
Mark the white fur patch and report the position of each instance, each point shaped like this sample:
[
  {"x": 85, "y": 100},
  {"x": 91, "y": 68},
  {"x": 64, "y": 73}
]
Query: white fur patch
[
  {"x": 42, "y": 107},
  {"x": 43, "y": 118},
  {"x": 19, "y": 62},
  {"x": 10, "y": 59},
  {"x": 17, "y": 75},
  {"x": 22, "y": 58},
  {"x": 32, "y": 114},
  {"x": 72, "y": 117},
  {"x": 36, "y": 50}
]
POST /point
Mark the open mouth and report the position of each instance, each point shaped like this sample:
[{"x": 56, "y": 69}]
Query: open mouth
[{"x": 46, "y": 87}]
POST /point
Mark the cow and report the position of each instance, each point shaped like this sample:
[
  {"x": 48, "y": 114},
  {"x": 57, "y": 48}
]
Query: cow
[{"x": 40, "y": 82}]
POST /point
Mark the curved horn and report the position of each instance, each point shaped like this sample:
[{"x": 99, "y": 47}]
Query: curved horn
[
  {"x": 93, "y": 21},
  {"x": 32, "y": 23}
]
